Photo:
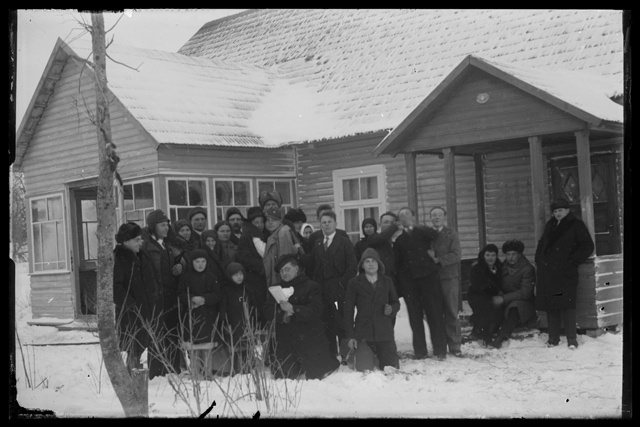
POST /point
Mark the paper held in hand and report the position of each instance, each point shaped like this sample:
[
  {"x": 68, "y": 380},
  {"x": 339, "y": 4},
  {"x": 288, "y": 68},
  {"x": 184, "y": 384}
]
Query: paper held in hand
[{"x": 278, "y": 293}]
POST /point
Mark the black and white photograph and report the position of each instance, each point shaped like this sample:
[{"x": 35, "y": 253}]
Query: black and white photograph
[{"x": 319, "y": 213}]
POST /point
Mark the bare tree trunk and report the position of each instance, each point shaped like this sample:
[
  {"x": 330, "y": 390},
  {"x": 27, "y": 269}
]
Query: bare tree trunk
[{"x": 129, "y": 395}]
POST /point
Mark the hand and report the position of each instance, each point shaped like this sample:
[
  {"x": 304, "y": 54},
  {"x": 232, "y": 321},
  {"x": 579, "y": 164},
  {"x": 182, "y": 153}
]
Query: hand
[
  {"x": 177, "y": 270},
  {"x": 287, "y": 307},
  {"x": 352, "y": 343},
  {"x": 298, "y": 248},
  {"x": 497, "y": 301},
  {"x": 197, "y": 302},
  {"x": 387, "y": 310},
  {"x": 286, "y": 318}
]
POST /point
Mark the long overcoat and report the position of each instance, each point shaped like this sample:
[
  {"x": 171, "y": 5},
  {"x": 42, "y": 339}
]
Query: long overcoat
[
  {"x": 561, "y": 249},
  {"x": 280, "y": 242},
  {"x": 518, "y": 281},
  {"x": 251, "y": 260},
  {"x": 198, "y": 322}
]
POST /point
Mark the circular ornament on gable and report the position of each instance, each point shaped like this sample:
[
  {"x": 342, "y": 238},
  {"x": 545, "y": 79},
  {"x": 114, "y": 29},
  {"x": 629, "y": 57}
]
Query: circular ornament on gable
[{"x": 482, "y": 98}]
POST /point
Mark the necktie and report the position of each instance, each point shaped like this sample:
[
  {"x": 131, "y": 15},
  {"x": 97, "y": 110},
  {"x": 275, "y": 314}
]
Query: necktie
[{"x": 326, "y": 243}]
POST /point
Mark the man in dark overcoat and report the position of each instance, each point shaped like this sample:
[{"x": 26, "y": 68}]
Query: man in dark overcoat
[{"x": 565, "y": 244}]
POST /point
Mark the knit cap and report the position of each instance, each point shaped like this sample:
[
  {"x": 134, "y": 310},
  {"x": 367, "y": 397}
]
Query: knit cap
[
  {"x": 156, "y": 217},
  {"x": 233, "y": 268}
]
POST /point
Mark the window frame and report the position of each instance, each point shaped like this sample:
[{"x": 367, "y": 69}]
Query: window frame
[
  {"x": 292, "y": 190},
  {"x": 65, "y": 256},
  {"x": 232, "y": 179},
  {"x": 340, "y": 175},
  {"x": 120, "y": 198},
  {"x": 188, "y": 178}
]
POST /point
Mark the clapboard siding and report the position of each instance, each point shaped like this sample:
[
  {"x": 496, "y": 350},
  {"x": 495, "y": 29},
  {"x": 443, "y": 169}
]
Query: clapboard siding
[
  {"x": 52, "y": 295},
  {"x": 215, "y": 161},
  {"x": 509, "y": 113},
  {"x": 64, "y": 146}
]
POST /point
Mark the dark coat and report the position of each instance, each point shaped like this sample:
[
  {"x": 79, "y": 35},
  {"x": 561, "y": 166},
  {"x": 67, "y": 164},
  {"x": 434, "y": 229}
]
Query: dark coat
[
  {"x": 382, "y": 244},
  {"x": 447, "y": 249},
  {"x": 561, "y": 249},
  {"x": 518, "y": 281},
  {"x": 235, "y": 300},
  {"x": 203, "y": 318},
  {"x": 163, "y": 260},
  {"x": 371, "y": 324},
  {"x": 136, "y": 292},
  {"x": 483, "y": 287},
  {"x": 255, "y": 279},
  {"x": 414, "y": 261},
  {"x": 301, "y": 344}
]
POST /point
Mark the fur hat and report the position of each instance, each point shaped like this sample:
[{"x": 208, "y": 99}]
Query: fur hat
[
  {"x": 283, "y": 260},
  {"x": 254, "y": 212},
  {"x": 559, "y": 203},
  {"x": 233, "y": 268},
  {"x": 269, "y": 195},
  {"x": 371, "y": 253},
  {"x": 128, "y": 231},
  {"x": 513, "y": 245},
  {"x": 273, "y": 213},
  {"x": 197, "y": 253},
  {"x": 295, "y": 215},
  {"x": 181, "y": 223},
  {"x": 156, "y": 217},
  {"x": 196, "y": 210},
  {"x": 233, "y": 211}
]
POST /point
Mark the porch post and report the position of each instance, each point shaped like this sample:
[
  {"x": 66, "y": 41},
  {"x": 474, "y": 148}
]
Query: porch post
[
  {"x": 412, "y": 182},
  {"x": 450, "y": 188},
  {"x": 537, "y": 186},
  {"x": 480, "y": 201},
  {"x": 584, "y": 178}
]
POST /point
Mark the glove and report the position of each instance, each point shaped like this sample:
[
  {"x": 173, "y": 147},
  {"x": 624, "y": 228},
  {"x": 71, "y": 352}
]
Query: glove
[
  {"x": 387, "y": 310},
  {"x": 352, "y": 343}
]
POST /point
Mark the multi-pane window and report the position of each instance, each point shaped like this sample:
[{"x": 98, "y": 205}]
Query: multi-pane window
[
  {"x": 138, "y": 202},
  {"x": 359, "y": 194},
  {"x": 284, "y": 188},
  {"x": 89, "y": 224},
  {"x": 185, "y": 194},
  {"x": 48, "y": 234},
  {"x": 232, "y": 193}
]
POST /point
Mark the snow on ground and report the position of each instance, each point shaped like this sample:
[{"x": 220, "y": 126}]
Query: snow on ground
[{"x": 525, "y": 379}]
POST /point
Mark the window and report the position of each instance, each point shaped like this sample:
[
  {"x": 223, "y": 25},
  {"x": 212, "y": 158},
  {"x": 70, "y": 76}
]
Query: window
[
  {"x": 185, "y": 194},
  {"x": 232, "y": 193},
  {"x": 284, "y": 188},
  {"x": 48, "y": 234},
  {"x": 138, "y": 201},
  {"x": 359, "y": 194}
]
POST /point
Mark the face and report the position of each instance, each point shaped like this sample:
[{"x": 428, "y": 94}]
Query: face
[
  {"x": 328, "y": 224},
  {"x": 298, "y": 225},
  {"x": 307, "y": 232},
  {"x": 270, "y": 204},
  {"x": 258, "y": 222},
  {"x": 512, "y": 257},
  {"x": 199, "y": 222},
  {"x": 368, "y": 230},
  {"x": 437, "y": 217},
  {"x": 560, "y": 213},
  {"x": 134, "y": 244},
  {"x": 406, "y": 217},
  {"x": 490, "y": 258},
  {"x": 386, "y": 221},
  {"x": 370, "y": 266},
  {"x": 162, "y": 229},
  {"x": 185, "y": 232},
  {"x": 288, "y": 272},
  {"x": 238, "y": 278},
  {"x": 272, "y": 224},
  {"x": 199, "y": 264},
  {"x": 224, "y": 233},
  {"x": 236, "y": 223},
  {"x": 210, "y": 242}
]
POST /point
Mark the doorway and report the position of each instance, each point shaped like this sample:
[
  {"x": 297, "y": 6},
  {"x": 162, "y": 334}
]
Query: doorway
[{"x": 85, "y": 228}]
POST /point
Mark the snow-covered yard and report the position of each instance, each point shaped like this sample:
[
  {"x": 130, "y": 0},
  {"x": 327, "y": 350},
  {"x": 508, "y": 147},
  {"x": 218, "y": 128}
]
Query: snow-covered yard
[{"x": 525, "y": 379}]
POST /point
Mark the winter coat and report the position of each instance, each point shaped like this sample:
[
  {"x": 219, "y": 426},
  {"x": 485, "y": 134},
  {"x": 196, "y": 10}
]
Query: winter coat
[
  {"x": 255, "y": 279},
  {"x": 136, "y": 292},
  {"x": 199, "y": 326},
  {"x": 301, "y": 344},
  {"x": 518, "y": 281},
  {"x": 371, "y": 324},
  {"x": 561, "y": 249},
  {"x": 280, "y": 242},
  {"x": 414, "y": 261},
  {"x": 229, "y": 252},
  {"x": 235, "y": 301},
  {"x": 382, "y": 244},
  {"x": 482, "y": 281},
  {"x": 214, "y": 257},
  {"x": 484, "y": 285},
  {"x": 163, "y": 260},
  {"x": 447, "y": 249}
]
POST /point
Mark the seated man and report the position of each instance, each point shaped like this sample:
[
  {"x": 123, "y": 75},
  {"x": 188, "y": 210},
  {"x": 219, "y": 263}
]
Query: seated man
[{"x": 301, "y": 345}]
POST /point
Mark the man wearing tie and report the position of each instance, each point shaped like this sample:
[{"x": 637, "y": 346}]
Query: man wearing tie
[
  {"x": 333, "y": 263},
  {"x": 420, "y": 283}
]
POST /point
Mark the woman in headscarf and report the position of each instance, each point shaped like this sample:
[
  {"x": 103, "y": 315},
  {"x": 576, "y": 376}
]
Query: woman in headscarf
[
  {"x": 229, "y": 249},
  {"x": 369, "y": 228}
]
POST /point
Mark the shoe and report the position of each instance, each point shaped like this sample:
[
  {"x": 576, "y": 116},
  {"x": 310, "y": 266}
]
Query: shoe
[
  {"x": 456, "y": 353},
  {"x": 441, "y": 357},
  {"x": 552, "y": 343},
  {"x": 572, "y": 343},
  {"x": 497, "y": 343},
  {"x": 420, "y": 356}
]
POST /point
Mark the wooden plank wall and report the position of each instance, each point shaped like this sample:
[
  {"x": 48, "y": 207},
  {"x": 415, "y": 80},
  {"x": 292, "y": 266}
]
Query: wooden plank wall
[
  {"x": 609, "y": 290},
  {"x": 52, "y": 296}
]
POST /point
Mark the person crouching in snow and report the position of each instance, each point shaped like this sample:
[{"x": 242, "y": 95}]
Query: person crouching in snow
[
  {"x": 301, "y": 345},
  {"x": 374, "y": 296},
  {"x": 199, "y": 295}
]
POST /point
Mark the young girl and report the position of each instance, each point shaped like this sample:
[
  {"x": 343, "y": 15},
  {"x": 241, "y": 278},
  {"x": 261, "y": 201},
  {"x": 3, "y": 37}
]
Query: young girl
[
  {"x": 236, "y": 304},
  {"x": 199, "y": 294}
]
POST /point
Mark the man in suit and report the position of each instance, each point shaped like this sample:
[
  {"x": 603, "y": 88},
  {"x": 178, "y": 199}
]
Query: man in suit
[
  {"x": 420, "y": 283},
  {"x": 318, "y": 234},
  {"x": 334, "y": 263},
  {"x": 390, "y": 229}
]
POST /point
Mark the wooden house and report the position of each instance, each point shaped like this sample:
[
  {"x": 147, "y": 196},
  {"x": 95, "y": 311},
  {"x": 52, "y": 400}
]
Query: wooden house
[{"x": 494, "y": 113}]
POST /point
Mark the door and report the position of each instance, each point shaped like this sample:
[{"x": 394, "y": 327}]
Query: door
[
  {"x": 606, "y": 205},
  {"x": 86, "y": 243}
]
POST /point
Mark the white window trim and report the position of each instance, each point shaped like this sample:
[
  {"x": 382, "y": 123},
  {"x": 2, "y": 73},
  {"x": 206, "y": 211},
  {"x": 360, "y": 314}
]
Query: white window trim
[
  {"x": 232, "y": 179},
  {"x": 359, "y": 172},
  {"x": 32, "y": 258},
  {"x": 187, "y": 178},
  {"x": 121, "y": 217},
  {"x": 291, "y": 182}
]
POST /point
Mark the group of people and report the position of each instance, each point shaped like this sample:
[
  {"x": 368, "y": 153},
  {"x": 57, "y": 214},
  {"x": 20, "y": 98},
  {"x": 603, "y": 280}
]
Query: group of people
[{"x": 337, "y": 296}]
